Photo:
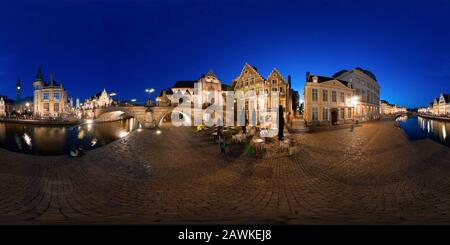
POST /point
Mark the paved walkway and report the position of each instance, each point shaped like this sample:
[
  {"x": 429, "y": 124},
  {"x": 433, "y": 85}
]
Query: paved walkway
[{"x": 370, "y": 175}]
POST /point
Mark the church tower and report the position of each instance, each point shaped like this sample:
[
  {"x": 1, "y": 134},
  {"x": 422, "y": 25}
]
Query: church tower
[
  {"x": 39, "y": 81},
  {"x": 38, "y": 84},
  {"x": 18, "y": 90}
]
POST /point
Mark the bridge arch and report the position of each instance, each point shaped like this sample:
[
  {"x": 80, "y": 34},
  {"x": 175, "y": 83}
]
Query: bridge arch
[
  {"x": 148, "y": 117},
  {"x": 114, "y": 113}
]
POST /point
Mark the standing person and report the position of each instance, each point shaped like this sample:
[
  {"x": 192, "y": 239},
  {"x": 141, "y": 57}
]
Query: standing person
[
  {"x": 280, "y": 123},
  {"x": 222, "y": 145}
]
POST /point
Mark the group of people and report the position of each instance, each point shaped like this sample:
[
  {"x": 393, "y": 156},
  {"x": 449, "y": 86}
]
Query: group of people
[{"x": 223, "y": 145}]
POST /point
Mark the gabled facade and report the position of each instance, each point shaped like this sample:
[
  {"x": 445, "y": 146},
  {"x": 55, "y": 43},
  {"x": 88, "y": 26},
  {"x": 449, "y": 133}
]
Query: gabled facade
[
  {"x": 436, "y": 106},
  {"x": 101, "y": 99},
  {"x": 49, "y": 99},
  {"x": 210, "y": 87},
  {"x": 444, "y": 104},
  {"x": 275, "y": 89}
]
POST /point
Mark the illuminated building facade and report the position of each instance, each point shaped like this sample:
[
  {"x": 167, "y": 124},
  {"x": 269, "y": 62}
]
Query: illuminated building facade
[{"x": 50, "y": 99}]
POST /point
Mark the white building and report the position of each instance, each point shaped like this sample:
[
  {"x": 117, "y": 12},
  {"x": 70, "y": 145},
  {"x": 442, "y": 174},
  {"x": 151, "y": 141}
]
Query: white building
[
  {"x": 444, "y": 105},
  {"x": 367, "y": 92},
  {"x": 391, "y": 109},
  {"x": 210, "y": 87},
  {"x": 99, "y": 100}
]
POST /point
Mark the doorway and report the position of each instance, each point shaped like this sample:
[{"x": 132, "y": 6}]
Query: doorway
[{"x": 334, "y": 116}]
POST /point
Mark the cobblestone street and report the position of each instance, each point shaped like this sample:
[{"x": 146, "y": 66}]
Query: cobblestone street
[{"x": 371, "y": 175}]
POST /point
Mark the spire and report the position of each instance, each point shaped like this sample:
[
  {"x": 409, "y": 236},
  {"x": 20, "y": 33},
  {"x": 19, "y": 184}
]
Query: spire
[
  {"x": 52, "y": 79},
  {"x": 39, "y": 76},
  {"x": 211, "y": 73},
  {"x": 18, "y": 88}
]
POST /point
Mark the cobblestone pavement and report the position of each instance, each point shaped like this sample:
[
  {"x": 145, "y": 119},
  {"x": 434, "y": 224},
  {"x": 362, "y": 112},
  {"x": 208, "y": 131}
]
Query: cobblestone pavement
[{"x": 371, "y": 175}]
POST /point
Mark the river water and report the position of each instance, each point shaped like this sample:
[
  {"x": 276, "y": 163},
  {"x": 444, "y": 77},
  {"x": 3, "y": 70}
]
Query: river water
[
  {"x": 59, "y": 140},
  {"x": 421, "y": 128}
]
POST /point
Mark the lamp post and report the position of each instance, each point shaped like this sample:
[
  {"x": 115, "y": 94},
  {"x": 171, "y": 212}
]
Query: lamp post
[
  {"x": 354, "y": 103},
  {"x": 149, "y": 91}
]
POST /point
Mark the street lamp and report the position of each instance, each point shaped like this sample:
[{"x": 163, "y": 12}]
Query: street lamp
[
  {"x": 149, "y": 91},
  {"x": 28, "y": 106},
  {"x": 354, "y": 102}
]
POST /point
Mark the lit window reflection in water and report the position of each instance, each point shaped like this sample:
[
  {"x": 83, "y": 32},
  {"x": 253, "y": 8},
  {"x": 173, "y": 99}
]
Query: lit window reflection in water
[
  {"x": 58, "y": 140},
  {"x": 421, "y": 128}
]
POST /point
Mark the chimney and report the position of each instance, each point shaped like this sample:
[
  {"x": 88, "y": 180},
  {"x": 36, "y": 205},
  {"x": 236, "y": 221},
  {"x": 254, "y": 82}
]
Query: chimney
[
  {"x": 307, "y": 76},
  {"x": 289, "y": 81}
]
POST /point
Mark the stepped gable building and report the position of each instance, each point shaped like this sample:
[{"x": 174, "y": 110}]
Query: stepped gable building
[
  {"x": 99, "y": 100},
  {"x": 436, "y": 106},
  {"x": 328, "y": 100},
  {"x": 50, "y": 98},
  {"x": 250, "y": 82},
  {"x": 444, "y": 105}
]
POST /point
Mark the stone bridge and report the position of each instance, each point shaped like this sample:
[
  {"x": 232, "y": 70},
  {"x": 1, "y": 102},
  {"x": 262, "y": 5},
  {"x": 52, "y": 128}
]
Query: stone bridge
[{"x": 149, "y": 117}]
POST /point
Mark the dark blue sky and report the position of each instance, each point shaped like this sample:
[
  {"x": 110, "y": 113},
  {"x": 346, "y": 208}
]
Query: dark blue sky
[{"x": 127, "y": 46}]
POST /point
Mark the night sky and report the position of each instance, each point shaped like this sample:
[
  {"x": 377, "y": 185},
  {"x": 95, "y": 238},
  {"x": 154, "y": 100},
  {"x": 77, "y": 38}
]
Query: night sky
[{"x": 127, "y": 46}]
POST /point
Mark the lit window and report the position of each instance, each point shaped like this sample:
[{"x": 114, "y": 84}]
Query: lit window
[
  {"x": 314, "y": 94},
  {"x": 314, "y": 114},
  {"x": 325, "y": 114},
  {"x": 56, "y": 107},
  {"x": 325, "y": 95}
]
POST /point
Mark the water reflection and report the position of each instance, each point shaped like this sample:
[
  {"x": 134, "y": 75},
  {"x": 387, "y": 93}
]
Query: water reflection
[
  {"x": 420, "y": 128},
  {"x": 57, "y": 140}
]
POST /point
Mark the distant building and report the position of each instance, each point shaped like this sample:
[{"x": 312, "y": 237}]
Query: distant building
[
  {"x": 444, "y": 104},
  {"x": 9, "y": 106},
  {"x": 99, "y": 100},
  {"x": 2, "y": 107},
  {"x": 18, "y": 90},
  {"x": 50, "y": 99},
  {"x": 328, "y": 101},
  {"x": 436, "y": 106},
  {"x": 391, "y": 109},
  {"x": 182, "y": 91}
]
